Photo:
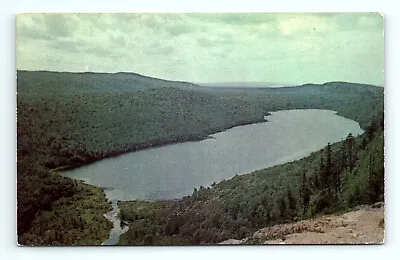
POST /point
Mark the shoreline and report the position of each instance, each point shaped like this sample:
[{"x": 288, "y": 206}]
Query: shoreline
[
  {"x": 156, "y": 144},
  {"x": 177, "y": 140},
  {"x": 138, "y": 148},
  {"x": 298, "y": 156},
  {"x": 124, "y": 228},
  {"x": 281, "y": 161}
]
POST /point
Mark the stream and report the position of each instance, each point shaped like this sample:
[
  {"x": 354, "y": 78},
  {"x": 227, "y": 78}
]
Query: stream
[{"x": 117, "y": 229}]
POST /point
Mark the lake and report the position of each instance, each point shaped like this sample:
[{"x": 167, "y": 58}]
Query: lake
[{"x": 173, "y": 171}]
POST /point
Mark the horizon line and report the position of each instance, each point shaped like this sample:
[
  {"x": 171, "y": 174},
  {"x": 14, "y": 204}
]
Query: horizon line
[{"x": 274, "y": 85}]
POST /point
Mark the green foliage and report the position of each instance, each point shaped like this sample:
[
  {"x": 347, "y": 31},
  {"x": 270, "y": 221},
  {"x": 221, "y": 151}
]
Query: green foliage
[
  {"x": 237, "y": 207},
  {"x": 148, "y": 222},
  {"x": 72, "y": 119},
  {"x": 74, "y": 220},
  {"x": 365, "y": 184}
]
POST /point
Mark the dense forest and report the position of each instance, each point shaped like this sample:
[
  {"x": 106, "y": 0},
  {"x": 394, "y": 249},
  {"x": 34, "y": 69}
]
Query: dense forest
[
  {"x": 334, "y": 179},
  {"x": 70, "y": 119}
]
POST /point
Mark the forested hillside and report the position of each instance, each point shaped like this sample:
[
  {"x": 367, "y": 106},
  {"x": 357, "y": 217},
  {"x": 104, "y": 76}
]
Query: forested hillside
[
  {"x": 333, "y": 179},
  {"x": 70, "y": 119},
  {"x": 43, "y": 83}
]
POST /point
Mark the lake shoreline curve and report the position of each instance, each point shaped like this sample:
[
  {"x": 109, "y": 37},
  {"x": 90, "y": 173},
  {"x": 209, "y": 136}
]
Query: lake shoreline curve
[{"x": 156, "y": 144}]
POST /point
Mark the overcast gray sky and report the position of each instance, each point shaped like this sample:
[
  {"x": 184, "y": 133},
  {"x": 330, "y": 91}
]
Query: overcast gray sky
[{"x": 275, "y": 48}]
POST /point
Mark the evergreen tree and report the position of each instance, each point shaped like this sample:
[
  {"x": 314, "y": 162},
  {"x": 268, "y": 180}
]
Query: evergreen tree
[
  {"x": 326, "y": 168},
  {"x": 321, "y": 175},
  {"x": 282, "y": 207},
  {"x": 292, "y": 202},
  {"x": 350, "y": 151},
  {"x": 329, "y": 166},
  {"x": 305, "y": 193},
  {"x": 316, "y": 183}
]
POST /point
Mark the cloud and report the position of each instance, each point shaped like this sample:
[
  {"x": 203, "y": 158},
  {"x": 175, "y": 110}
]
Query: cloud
[
  {"x": 160, "y": 50},
  {"x": 116, "y": 38},
  {"x": 178, "y": 29},
  {"x": 60, "y": 25},
  {"x": 304, "y": 25},
  {"x": 66, "y": 46},
  {"x": 283, "y": 48},
  {"x": 29, "y": 27},
  {"x": 234, "y": 19},
  {"x": 217, "y": 37}
]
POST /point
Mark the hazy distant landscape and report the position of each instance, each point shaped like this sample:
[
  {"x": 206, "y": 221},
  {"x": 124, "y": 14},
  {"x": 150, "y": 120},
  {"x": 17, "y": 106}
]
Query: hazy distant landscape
[{"x": 121, "y": 158}]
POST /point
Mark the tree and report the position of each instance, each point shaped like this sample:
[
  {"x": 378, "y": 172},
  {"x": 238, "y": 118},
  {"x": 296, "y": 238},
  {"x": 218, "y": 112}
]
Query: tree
[
  {"x": 148, "y": 240},
  {"x": 173, "y": 225},
  {"x": 304, "y": 193},
  {"x": 350, "y": 151},
  {"x": 282, "y": 207},
  {"x": 375, "y": 181},
  {"x": 316, "y": 183},
  {"x": 326, "y": 168},
  {"x": 321, "y": 175},
  {"x": 292, "y": 202}
]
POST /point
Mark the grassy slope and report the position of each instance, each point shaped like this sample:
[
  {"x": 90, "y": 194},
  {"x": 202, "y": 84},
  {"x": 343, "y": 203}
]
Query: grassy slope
[{"x": 73, "y": 119}]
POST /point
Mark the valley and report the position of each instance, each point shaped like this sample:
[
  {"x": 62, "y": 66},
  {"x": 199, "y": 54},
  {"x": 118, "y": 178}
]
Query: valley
[{"x": 69, "y": 120}]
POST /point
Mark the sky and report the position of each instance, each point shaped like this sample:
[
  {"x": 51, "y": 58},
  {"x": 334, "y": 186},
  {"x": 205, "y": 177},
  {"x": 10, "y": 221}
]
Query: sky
[{"x": 280, "y": 49}]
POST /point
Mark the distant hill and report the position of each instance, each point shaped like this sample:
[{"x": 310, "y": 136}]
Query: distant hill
[
  {"x": 48, "y": 82},
  {"x": 256, "y": 84},
  {"x": 64, "y": 83},
  {"x": 253, "y": 84}
]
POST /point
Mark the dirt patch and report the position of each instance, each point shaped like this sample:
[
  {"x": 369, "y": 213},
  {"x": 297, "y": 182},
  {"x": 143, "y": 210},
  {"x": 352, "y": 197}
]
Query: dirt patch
[
  {"x": 365, "y": 225},
  {"x": 362, "y": 226}
]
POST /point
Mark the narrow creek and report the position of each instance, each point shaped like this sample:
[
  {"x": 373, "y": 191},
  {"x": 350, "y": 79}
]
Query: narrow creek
[{"x": 118, "y": 227}]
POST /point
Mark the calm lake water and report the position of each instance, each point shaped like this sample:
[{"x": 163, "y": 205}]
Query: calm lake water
[{"x": 172, "y": 171}]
